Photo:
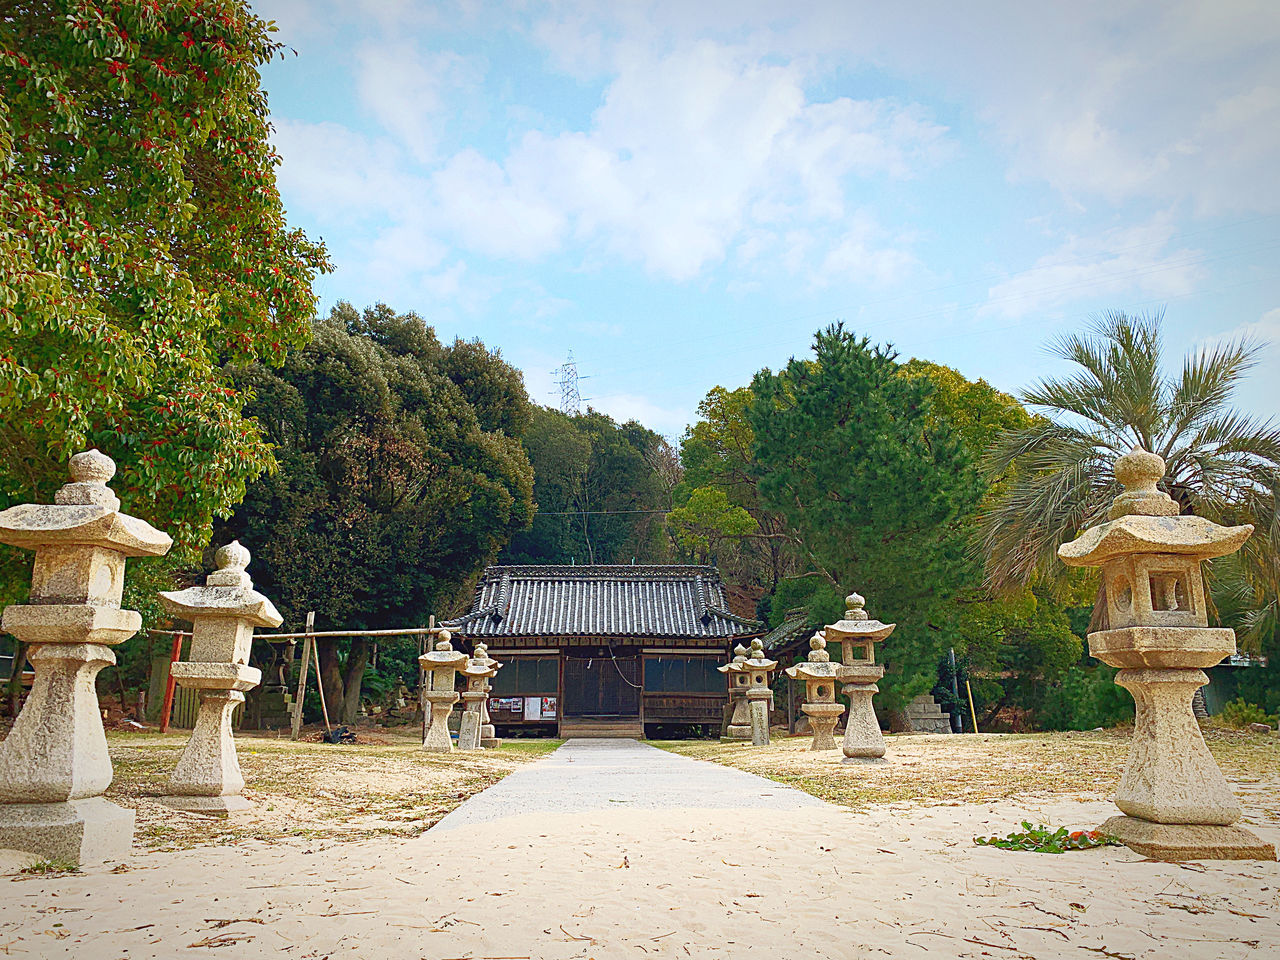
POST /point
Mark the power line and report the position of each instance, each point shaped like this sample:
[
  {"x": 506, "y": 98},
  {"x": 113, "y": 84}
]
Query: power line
[{"x": 591, "y": 513}]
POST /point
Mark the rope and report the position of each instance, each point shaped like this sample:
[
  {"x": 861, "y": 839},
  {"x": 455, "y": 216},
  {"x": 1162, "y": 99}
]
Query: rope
[{"x": 614, "y": 661}]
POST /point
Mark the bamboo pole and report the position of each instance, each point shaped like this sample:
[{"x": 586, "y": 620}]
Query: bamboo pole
[
  {"x": 422, "y": 682},
  {"x": 408, "y": 632},
  {"x": 166, "y": 709},
  {"x": 973, "y": 716},
  {"x": 311, "y": 634},
  {"x": 295, "y": 722}
]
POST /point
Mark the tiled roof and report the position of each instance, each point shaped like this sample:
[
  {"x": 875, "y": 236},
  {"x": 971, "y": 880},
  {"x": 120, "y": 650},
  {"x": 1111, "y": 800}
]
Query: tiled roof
[
  {"x": 602, "y": 601},
  {"x": 792, "y": 625}
]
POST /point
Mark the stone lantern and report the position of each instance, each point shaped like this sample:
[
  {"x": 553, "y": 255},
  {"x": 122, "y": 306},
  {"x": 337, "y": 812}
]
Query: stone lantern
[
  {"x": 1178, "y": 805},
  {"x": 739, "y": 727},
  {"x": 488, "y": 736},
  {"x": 441, "y": 667},
  {"x": 223, "y": 614},
  {"x": 478, "y": 669},
  {"x": 759, "y": 669},
  {"x": 857, "y": 635},
  {"x": 54, "y": 764},
  {"x": 820, "y": 676}
]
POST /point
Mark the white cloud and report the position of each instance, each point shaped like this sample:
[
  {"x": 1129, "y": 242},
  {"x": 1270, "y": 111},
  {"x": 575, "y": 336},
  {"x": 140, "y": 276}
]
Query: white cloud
[
  {"x": 334, "y": 171},
  {"x": 859, "y": 257},
  {"x": 684, "y": 154},
  {"x": 1176, "y": 101},
  {"x": 401, "y": 86},
  {"x": 494, "y": 213},
  {"x": 1115, "y": 262},
  {"x": 1261, "y": 391},
  {"x": 668, "y": 421}
]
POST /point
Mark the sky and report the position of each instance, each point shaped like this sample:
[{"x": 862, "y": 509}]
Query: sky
[{"x": 681, "y": 192}]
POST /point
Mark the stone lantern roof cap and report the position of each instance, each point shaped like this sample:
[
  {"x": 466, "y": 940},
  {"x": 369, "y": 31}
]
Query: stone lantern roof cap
[
  {"x": 757, "y": 660},
  {"x": 85, "y": 513},
  {"x": 1144, "y": 519},
  {"x": 738, "y": 663},
  {"x": 857, "y": 624},
  {"x": 478, "y": 668},
  {"x": 809, "y": 670},
  {"x": 1186, "y": 536},
  {"x": 228, "y": 593},
  {"x": 481, "y": 653},
  {"x": 443, "y": 657},
  {"x": 819, "y": 665}
]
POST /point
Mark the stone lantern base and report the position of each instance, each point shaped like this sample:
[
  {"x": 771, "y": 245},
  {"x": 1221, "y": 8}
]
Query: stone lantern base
[
  {"x": 92, "y": 830},
  {"x": 823, "y": 718},
  {"x": 211, "y": 806},
  {"x": 739, "y": 726},
  {"x": 863, "y": 742},
  {"x": 1177, "y": 841}
]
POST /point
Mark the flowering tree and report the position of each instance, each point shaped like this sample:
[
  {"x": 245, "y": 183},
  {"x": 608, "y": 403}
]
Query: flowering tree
[{"x": 143, "y": 250}]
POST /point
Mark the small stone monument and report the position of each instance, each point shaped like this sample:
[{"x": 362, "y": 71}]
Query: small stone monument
[
  {"x": 54, "y": 764},
  {"x": 739, "y": 727},
  {"x": 441, "y": 666},
  {"x": 223, "y": 614},
  {"x": 820, "y": 676},
  {"x": 759, "y": 669},
  {"x": 857, "y": 635},
  {"x": 1178, "y": 805},
  {"x": 478, "y": 669}
]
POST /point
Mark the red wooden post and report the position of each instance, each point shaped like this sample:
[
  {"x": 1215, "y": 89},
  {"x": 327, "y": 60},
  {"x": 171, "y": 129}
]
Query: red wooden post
[{"x": 166, "y": 710}]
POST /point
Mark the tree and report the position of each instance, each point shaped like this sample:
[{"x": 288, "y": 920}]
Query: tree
[
  {"x": 717, "y": 453},
  {"x": 397, "y": 480},
  {"x": 1220, "y": 463},
  {"x": 706, "y": 520},
  {"x": 143, "y": 247},
  {"x": 1017, "y": 648},
  {"x": 601, "y": 489},
  {"x": 849, "y": 453}
]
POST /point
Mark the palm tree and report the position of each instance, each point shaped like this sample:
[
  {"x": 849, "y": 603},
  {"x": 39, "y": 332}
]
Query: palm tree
[{"x": 1053, "y": 478}]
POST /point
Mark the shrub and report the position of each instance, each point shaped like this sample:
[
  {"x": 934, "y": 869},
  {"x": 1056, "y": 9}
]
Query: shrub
[
  {"x": 1239, "y": 714},
  {"x": 1085, "y": 698}
]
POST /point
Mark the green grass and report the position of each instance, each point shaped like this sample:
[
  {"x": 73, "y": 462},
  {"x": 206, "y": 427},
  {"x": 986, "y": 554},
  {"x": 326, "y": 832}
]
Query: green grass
[{"x": 53, "y": 867}]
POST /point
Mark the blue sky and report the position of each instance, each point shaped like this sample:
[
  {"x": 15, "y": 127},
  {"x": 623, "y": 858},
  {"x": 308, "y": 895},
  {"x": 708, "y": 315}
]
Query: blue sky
[{"x": 681, "y": 193}]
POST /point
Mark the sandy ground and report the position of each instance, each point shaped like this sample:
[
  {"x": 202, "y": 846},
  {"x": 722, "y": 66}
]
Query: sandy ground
[
  {"x": 891, "y": 880},
  {"x": 386, "y": 786}
]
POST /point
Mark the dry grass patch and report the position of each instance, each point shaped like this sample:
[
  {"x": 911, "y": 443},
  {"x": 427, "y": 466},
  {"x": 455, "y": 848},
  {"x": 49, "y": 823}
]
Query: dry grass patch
[
  {"x": 311, "y": 790},
  {"x": 973, "y": 768}
]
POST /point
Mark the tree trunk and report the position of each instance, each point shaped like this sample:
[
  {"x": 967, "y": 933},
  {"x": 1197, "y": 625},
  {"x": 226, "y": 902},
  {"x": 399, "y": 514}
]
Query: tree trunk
[
  {"x": 329, "y": 670},
  {"x": 353, "y": 675}
]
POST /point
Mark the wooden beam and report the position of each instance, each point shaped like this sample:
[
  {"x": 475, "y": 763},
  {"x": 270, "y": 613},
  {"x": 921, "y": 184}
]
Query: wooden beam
[{"x": 295, "y": 722}]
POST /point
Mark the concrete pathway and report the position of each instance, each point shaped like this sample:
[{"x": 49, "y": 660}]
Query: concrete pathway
[{"x": 589, "y": 775}]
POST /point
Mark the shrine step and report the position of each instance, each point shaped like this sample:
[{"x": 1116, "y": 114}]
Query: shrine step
[{"x": 630, "y": 728}]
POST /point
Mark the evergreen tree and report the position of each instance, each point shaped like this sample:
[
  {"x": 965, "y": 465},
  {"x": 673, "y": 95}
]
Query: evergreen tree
[{"x": 848, "y": 452}]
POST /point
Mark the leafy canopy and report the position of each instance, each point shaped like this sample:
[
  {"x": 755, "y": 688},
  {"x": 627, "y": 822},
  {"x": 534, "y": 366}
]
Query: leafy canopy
[
  {"x": 1220, "y": 463},
  {"x": 143, "y": 246},
  {"x": 599, "y": 490},
  {"x": 849, "y": 452},
  {"x": 397, "y": 480}
]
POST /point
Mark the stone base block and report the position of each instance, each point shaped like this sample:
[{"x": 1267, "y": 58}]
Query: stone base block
[
  {"x": 490, "y": 743},
  {"x": 737, "y": 732},
  {"x": 233, "y": 806},
  {"x": 1175, "y": 841},
  {"x": 92, "y": 830},
  {"x": 866, "y": 761}
]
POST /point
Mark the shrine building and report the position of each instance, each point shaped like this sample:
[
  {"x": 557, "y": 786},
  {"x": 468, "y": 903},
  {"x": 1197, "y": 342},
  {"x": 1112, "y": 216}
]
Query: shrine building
[{"x": 602, "y": 650}]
